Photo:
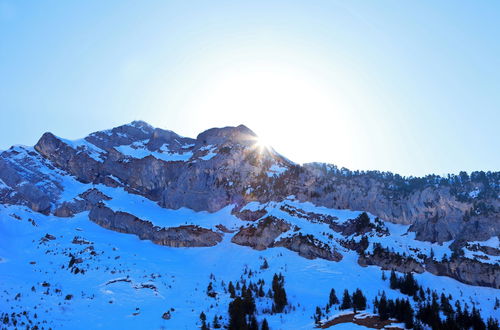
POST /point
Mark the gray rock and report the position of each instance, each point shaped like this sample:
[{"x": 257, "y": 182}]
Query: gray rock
[
  {"x": 391, "y": 261},
  {"x": 183, "y": 236},
  {"x": 85, "y": 202},
  {"x": 309, "y": 247},
  {"x": 467, "y": 271},
  {"x": 262, "y": 235}
]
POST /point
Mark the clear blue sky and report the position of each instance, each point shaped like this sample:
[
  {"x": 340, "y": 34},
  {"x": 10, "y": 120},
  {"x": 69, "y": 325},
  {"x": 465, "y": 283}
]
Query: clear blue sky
[{"x": 407, "y": 86}]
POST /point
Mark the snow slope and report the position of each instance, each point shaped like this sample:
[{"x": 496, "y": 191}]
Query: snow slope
[{"x": 129, "y": 283}]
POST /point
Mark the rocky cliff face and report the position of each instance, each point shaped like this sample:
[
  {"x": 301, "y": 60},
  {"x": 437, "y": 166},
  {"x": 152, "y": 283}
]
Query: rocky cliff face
[
  {"x": 225, "y": 166},
  {"x": 439, "y": 209},
  {"x": 309, "y": 247},
  {"x": 467, "y": 271},
  {"x": 182, "y": 236},
  {"x": 263, "y": 234}
]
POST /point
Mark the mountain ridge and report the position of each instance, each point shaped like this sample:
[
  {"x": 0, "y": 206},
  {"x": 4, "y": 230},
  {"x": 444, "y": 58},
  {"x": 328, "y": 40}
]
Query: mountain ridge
[
  {"x": 171, "y": 202},
  {"x": 463, "y": 196}
]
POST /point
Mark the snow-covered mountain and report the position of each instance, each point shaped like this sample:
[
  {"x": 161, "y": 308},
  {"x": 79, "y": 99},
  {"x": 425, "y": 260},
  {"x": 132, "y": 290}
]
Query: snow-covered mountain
[{"x": 138, "y": 227}]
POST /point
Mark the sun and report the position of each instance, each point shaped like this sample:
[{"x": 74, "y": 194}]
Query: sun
[{"x": 261, "y": 145}]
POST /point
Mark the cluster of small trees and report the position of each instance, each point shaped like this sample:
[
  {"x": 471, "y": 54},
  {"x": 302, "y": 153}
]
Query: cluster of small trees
[
  {"x": 429, "y": 313},
  {"x": 215, "y": 323},
  {"x": 21, "y": 319},
  {"x": 406, "y": 284},
  {"x": 241, "y": 313},
  {"x": 258, "y": 289},
  {"x": 242, "y": 309},
  {"x": 428, "y": 310},
  {"x": 356, "y": 301},
  {"x": 399, "y": 309},
  {"x": 430, "y": 307}
]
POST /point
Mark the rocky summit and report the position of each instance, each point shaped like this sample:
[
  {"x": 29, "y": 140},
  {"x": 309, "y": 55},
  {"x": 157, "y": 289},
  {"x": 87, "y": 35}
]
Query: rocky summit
[{"x": 221, "y": 208}]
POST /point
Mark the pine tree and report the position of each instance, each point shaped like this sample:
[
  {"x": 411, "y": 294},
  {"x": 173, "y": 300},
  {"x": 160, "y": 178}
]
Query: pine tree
[
  {"x": 261, "y": 291},
  {"x": 317, "y": 315},
  {"x": 382, "y": 308},
  {"x": 248, "y": 302},
  {"x": 407, "y": 314},
  {"x": 477, "y": 321},
  {"x": 445, "y": 305},
  {"x": 358, "y": 300},
  {"x": 215, "y": 322},
  {"x": 264, "y": 325},
  {"x": 210, "y": 290},
  {"x": 393, "y": 280},
  {"x": 237, "y": 317},
  {"x": 346, "y": 300},
  {"x": 231, "y": 290},
  {"x": 408, "y": 285},
  {"x": 279, "y": 294},
  {"x": 333, "y": 300},
  {"x": 203, "y": 319},
  {"x": 253, "y": 323},
  {"x": 421, "y": 294},
  {"x": 492, "y": 324}
]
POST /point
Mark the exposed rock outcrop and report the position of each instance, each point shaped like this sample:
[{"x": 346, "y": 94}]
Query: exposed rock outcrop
[
  {"x": 467, "y": 271},
  {"x": 85, "y": 202},
  {"x": 76, "y": 161},
  {"x": 309, "y": 247},
  {"x": 16, "y": 189},
  {"x": 462, "y": 269},
  {"x": 391, "y": 261},
  {"x": 183, "y": 236},
  {"x": 439, "y": 209},
  {"x": 249, "y": 215},
  {"x": 262, "y": 235}
]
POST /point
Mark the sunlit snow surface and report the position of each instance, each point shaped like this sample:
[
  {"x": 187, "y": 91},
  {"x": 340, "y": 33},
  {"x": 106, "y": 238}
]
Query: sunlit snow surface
[
  {"x": 139, "y": 150},
  {"x": 180, "y": 275},
  {"x": 493, "y": 242},
  {"x": 83, "y": 145},
  {"x": 276, "y": 170}
]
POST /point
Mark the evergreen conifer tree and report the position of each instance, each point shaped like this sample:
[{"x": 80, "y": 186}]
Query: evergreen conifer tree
[
  {"x": 346, "y": 300},
  {"x": 393, "y": 280},
  {"x": 216, "y": 323},
  {"x": 231, "y": 290},
  {"x": 279, "y": 294},
  {"x": 265, "y": 325},
  {"x": 333, "y": 300}
]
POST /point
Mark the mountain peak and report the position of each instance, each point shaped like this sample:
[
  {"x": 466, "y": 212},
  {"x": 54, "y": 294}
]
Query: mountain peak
[
  {"x": 236, "y": 134},
  {"x": 139, "y": 124}
]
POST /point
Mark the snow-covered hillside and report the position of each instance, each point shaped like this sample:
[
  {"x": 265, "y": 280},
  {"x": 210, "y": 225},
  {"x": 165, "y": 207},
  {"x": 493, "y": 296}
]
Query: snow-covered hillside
[
  {"x": 137, "y": 227},
  {"x": 127, "y": 283}
]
